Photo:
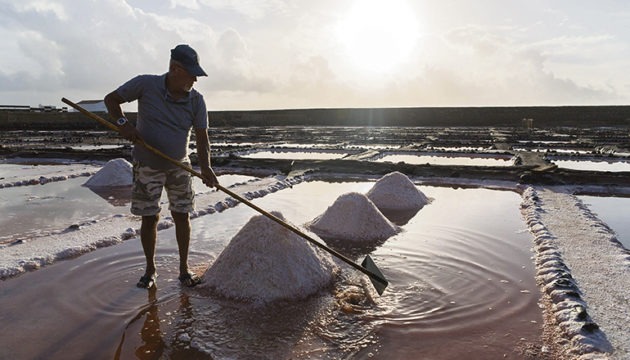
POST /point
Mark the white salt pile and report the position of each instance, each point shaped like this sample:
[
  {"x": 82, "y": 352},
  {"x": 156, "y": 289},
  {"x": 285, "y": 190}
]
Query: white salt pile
[
  {"x": 395, "y": 191},
  {"x": 265, "y": 262},
  {"x": 116, "y": 172},
  {"x": 353, "y": 217}
]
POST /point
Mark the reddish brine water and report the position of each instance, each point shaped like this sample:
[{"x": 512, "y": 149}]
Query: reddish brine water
[{"x": 461, "y": 286}]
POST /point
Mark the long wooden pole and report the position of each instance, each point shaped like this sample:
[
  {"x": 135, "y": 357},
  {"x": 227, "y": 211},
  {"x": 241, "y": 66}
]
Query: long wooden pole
[{"x": 368, "y": 267}]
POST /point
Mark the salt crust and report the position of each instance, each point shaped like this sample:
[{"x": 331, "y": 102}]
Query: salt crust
[
  {"x": 45, "y": 179},
  {"x": 585, "y": 339},
  {"x": 116, "y": 172},
  {"x": 265, "y": 262},
  {"x": 353, "y": 217},
  {"x": 395, "y": 191}
]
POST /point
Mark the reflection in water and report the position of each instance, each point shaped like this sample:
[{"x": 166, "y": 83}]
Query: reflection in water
[
  {"x": 400, "y": 217},
  {"x": 32, "y": 210},
  {"x": 159, "y": 338},
  {"x": 453, "y": 160},
  {"x": 115, "y": 195},
  {"x": 614, "y": 165},
  {"x": 152, "y": 346},
  {"x": 613, "y": 211},
  {"x": 295, "y": 155},
  {"x": 29, "y": 211}
]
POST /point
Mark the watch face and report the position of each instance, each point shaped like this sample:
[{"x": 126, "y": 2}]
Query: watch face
[{"x": 122, "y": 121}]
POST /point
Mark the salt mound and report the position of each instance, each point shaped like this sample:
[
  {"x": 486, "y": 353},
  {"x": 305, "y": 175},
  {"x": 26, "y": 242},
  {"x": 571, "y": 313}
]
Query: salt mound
[
  {"x": 395, "y": 191},
  {"x": 353, "y": 217},
  {"x": 265, "y": 262},
  {"x": 116, "y": 172}
]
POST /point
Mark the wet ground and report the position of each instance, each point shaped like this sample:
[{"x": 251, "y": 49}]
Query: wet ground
[{"x": 513, "y": 154}]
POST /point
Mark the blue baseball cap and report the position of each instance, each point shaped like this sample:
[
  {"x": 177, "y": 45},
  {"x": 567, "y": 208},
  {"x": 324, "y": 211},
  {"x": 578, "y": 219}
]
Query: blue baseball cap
[{"x": 188, "y": 57}]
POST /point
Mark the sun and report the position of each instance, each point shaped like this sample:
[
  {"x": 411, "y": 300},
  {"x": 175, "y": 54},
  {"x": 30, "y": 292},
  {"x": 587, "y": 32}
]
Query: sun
[{"x": 378, "y": 35}]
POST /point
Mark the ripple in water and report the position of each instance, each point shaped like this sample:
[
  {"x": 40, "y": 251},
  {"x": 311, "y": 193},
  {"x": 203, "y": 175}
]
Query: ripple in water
[
  {"x": 465, "y": 282},
  {"x": 461, "y": 286}
]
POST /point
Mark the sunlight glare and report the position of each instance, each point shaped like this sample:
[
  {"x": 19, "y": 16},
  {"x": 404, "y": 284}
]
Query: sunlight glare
[{"x": 377, "y": 35}]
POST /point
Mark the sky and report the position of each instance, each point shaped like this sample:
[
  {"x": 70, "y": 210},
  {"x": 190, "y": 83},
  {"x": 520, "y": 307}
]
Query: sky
[{"x": 279, "y": 54}]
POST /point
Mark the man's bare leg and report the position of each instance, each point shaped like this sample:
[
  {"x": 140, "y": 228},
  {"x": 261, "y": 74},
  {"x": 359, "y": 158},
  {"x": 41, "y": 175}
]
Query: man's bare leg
[
  {"x": 148, "y": 237},
  {"x": 182, "y": 233}
]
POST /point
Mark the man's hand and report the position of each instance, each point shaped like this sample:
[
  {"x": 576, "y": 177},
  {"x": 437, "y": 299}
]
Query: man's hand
[
  {"x": 208, "y": 177},
  {"x": 129, "y": 132},
  {"x": 126, "y": 130}
]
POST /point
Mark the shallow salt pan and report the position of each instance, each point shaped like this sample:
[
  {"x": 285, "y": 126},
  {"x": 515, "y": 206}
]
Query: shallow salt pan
[
  {"x": 353, "y": 217},
  {"x": 265, "y": 262},
  {"x": 395, "y": 192}
]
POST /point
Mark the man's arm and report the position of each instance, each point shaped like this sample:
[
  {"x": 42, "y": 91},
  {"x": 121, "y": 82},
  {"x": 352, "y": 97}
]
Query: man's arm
[
  {"x": 203, "y": 156},
  {"x": 112, "y": 102}
]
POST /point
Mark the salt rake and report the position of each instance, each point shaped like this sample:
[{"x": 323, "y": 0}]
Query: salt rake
[{"x": 368, "y": 267}]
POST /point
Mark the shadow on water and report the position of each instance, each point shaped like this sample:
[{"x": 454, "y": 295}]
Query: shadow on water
[
  {"x": 351, "y": 249},
  {"x": 400, "y": 217}
]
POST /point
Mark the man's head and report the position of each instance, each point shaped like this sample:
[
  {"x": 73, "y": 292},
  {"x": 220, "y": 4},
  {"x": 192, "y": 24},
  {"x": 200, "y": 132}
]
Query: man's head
[
  {"x": 187, "y": 58},
  {"x": 183, "y": 69}
]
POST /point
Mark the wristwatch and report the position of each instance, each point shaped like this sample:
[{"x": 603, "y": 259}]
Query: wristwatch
[{"x": 122, "y": 121}]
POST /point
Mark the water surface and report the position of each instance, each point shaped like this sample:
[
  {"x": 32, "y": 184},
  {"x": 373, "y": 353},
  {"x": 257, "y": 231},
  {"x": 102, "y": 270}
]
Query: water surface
[
  {"x": 593, "y": 165},
  {"x": 461, "y": 286},
  {"x": 295, "y": 155},
  {"x": 459, "y": 160},
  {"x": 614, "y": 212},
  {"x": 37, "y": 209}
]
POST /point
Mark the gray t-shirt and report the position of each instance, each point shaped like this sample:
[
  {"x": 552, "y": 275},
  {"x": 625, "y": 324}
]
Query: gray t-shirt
[{"x": 163, "y": 122}]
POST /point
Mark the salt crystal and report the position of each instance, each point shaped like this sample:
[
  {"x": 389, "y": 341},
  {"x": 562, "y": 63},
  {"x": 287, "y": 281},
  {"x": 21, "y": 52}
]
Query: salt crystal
[
  {"x": 353, "y": 217},
  {"x": 116, "y": 172},
  {"x": 395, "y": 191},
  {"x": 265, "y": 262}
]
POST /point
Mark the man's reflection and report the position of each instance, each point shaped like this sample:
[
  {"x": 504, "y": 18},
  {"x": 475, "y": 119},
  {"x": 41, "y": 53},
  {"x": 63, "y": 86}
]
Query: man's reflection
[{"x": 152, "y": 346}]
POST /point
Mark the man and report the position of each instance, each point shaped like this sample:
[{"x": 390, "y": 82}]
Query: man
[{"x": 168, "y": 108}]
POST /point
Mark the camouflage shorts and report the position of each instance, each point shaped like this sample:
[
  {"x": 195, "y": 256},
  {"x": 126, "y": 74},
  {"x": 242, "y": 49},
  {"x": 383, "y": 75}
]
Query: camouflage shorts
[{"x": 147, "y": 190}]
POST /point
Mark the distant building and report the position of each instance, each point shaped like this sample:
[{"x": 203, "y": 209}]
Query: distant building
[
  {"x": 25, "y": 108},
  {"x": 45, "y": 108},
  {"x": 93, "y": 105}
]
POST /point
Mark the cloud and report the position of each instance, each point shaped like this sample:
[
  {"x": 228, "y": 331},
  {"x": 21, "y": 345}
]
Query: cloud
[
  {"x": 477, "y": 65},
  {"x": 188, "y": 4},
  {"x": 42, "y": 7},
  {"x": 231, "y": 47},
  {"x": 90, "y": 46},
  {"x": 253, "y": 9},
  {"x": 280, "y": 53}
]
